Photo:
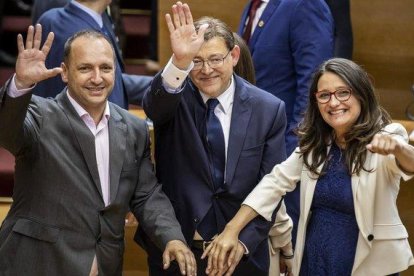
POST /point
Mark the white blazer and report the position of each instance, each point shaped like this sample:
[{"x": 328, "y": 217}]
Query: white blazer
[{"x": 382, "y": 246}]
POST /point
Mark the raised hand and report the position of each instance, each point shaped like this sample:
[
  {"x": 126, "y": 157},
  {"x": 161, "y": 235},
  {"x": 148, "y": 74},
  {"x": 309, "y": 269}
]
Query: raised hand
[
  {"x": 185, "y": 41},
  {"x": 30, "y": 64},
  {"x": 177, "y": 250}
]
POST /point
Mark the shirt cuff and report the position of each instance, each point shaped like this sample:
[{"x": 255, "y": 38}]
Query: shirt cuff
[
  {"x": 246, "y": 251},
  {"x": 13, "y": 92},
  {"x": 173, "y": 77}
]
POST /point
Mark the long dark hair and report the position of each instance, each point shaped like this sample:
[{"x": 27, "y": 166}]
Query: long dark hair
[
  {"x": 244, "y": 67},
  {"x": 315, "y": 134}
]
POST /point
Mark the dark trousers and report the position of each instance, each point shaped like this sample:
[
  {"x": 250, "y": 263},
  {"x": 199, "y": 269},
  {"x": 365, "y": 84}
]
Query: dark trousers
[{"x": 244, "y": 268}]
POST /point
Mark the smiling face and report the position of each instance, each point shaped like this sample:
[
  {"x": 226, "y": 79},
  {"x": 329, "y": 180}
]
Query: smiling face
[
  {"x": 341, "y": 116},
  {"x": 213, "y": 82},
  {"x": 90, "y": 72}
]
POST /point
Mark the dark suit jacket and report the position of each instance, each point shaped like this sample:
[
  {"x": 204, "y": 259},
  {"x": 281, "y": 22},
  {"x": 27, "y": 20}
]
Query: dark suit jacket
[
  {"x": 256, "y": 144},
  {"x": 293, "y": 38},
  {"x": 58, "y": 220},
  {"x": 65, "y": 22},
  {"x": 41, "y": 6}
]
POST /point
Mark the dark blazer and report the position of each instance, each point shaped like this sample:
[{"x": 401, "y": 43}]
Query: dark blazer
[
  {"x": 256, "y": 144},
  {"x": 65, "y": 22},
  {"x": 58, "y": 220},
  {"x": 41, "y": 6},
  {"x": 290, "y": 41}
]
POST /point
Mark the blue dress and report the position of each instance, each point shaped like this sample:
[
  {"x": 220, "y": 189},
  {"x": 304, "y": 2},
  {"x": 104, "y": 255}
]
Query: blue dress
[{"x": 332, "y": 231}]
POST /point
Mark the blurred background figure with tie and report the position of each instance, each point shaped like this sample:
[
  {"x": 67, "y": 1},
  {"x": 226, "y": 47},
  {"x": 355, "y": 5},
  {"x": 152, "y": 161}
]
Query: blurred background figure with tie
[
  {"x": 76, "y": 16},
  {"x": 288, "y": 40}
]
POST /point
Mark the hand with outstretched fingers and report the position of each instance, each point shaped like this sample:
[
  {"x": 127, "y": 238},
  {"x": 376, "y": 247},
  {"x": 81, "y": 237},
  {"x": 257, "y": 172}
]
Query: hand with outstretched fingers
[
  {"x": 30, "y": 64},
  {"x": 185, "y": 41},
  {"x": 179, "y": 251}
]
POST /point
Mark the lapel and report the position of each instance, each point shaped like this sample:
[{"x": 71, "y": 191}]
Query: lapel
[
  {"x": 308, "y": 190},
  {"x": 197, "y": 108},
  {"x": 240, "y": 119},
  {"x": 117, "y": 149},
  {"x": 308, "y": 185},
  {"x": 364, "y": 197},
  {"x": 264, "y": 19},
  {"x": 83, "y": 135}
]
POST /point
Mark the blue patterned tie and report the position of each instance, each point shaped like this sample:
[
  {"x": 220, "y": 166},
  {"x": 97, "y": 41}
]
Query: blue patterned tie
[
  {"x": 215, "y": 142},
  {"x": 216, "y": 151}
]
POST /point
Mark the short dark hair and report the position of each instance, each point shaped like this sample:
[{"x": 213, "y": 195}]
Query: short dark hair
[
  {"x": 89, "y": 33},
  {"x": 315, "y": 134},
  {"x": 216, "y": 28}
]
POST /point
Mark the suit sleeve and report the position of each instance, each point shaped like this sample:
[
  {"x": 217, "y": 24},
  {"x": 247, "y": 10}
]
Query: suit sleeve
[
  {"x": 135, "y": 87},
  {"x": 281, "y": 232},
  {"x": 17, "y": 129},
  {"x": 312, "y": 43},
  {"x": 399, "y": 133},
  {"x": 159, "y": 105},
  {"x": 274, "y": 153},
  {"x": 151, "y": 206}
]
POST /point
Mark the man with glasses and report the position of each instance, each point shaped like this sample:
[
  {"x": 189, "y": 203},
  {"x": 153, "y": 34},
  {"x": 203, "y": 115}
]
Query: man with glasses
[{"x": 216, "y": 136}]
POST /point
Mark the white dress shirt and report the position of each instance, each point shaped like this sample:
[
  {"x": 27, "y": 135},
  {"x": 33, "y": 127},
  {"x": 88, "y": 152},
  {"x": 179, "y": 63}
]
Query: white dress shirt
[{"x": 173, "y": 78}]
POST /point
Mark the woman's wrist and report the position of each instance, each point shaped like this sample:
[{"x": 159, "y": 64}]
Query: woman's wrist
[
  {"x": 233, "y": 228},
  {"x": 286, "y": 255},
  {"x": 287, "y": 251}
]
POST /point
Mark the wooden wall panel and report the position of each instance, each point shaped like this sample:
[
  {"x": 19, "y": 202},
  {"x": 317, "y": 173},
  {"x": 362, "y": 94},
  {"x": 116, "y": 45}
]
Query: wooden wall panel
[
  {"x": 229, "y": 11},
  {"x": 384, "y": 45}
]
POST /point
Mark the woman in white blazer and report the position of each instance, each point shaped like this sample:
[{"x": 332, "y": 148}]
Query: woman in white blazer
[{"x": 350, "y": 161}]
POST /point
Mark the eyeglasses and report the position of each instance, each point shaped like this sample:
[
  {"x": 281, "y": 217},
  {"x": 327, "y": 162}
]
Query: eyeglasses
[
  {"x": 342, "y": 95},
  {"x": 214, "y": 62}
]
